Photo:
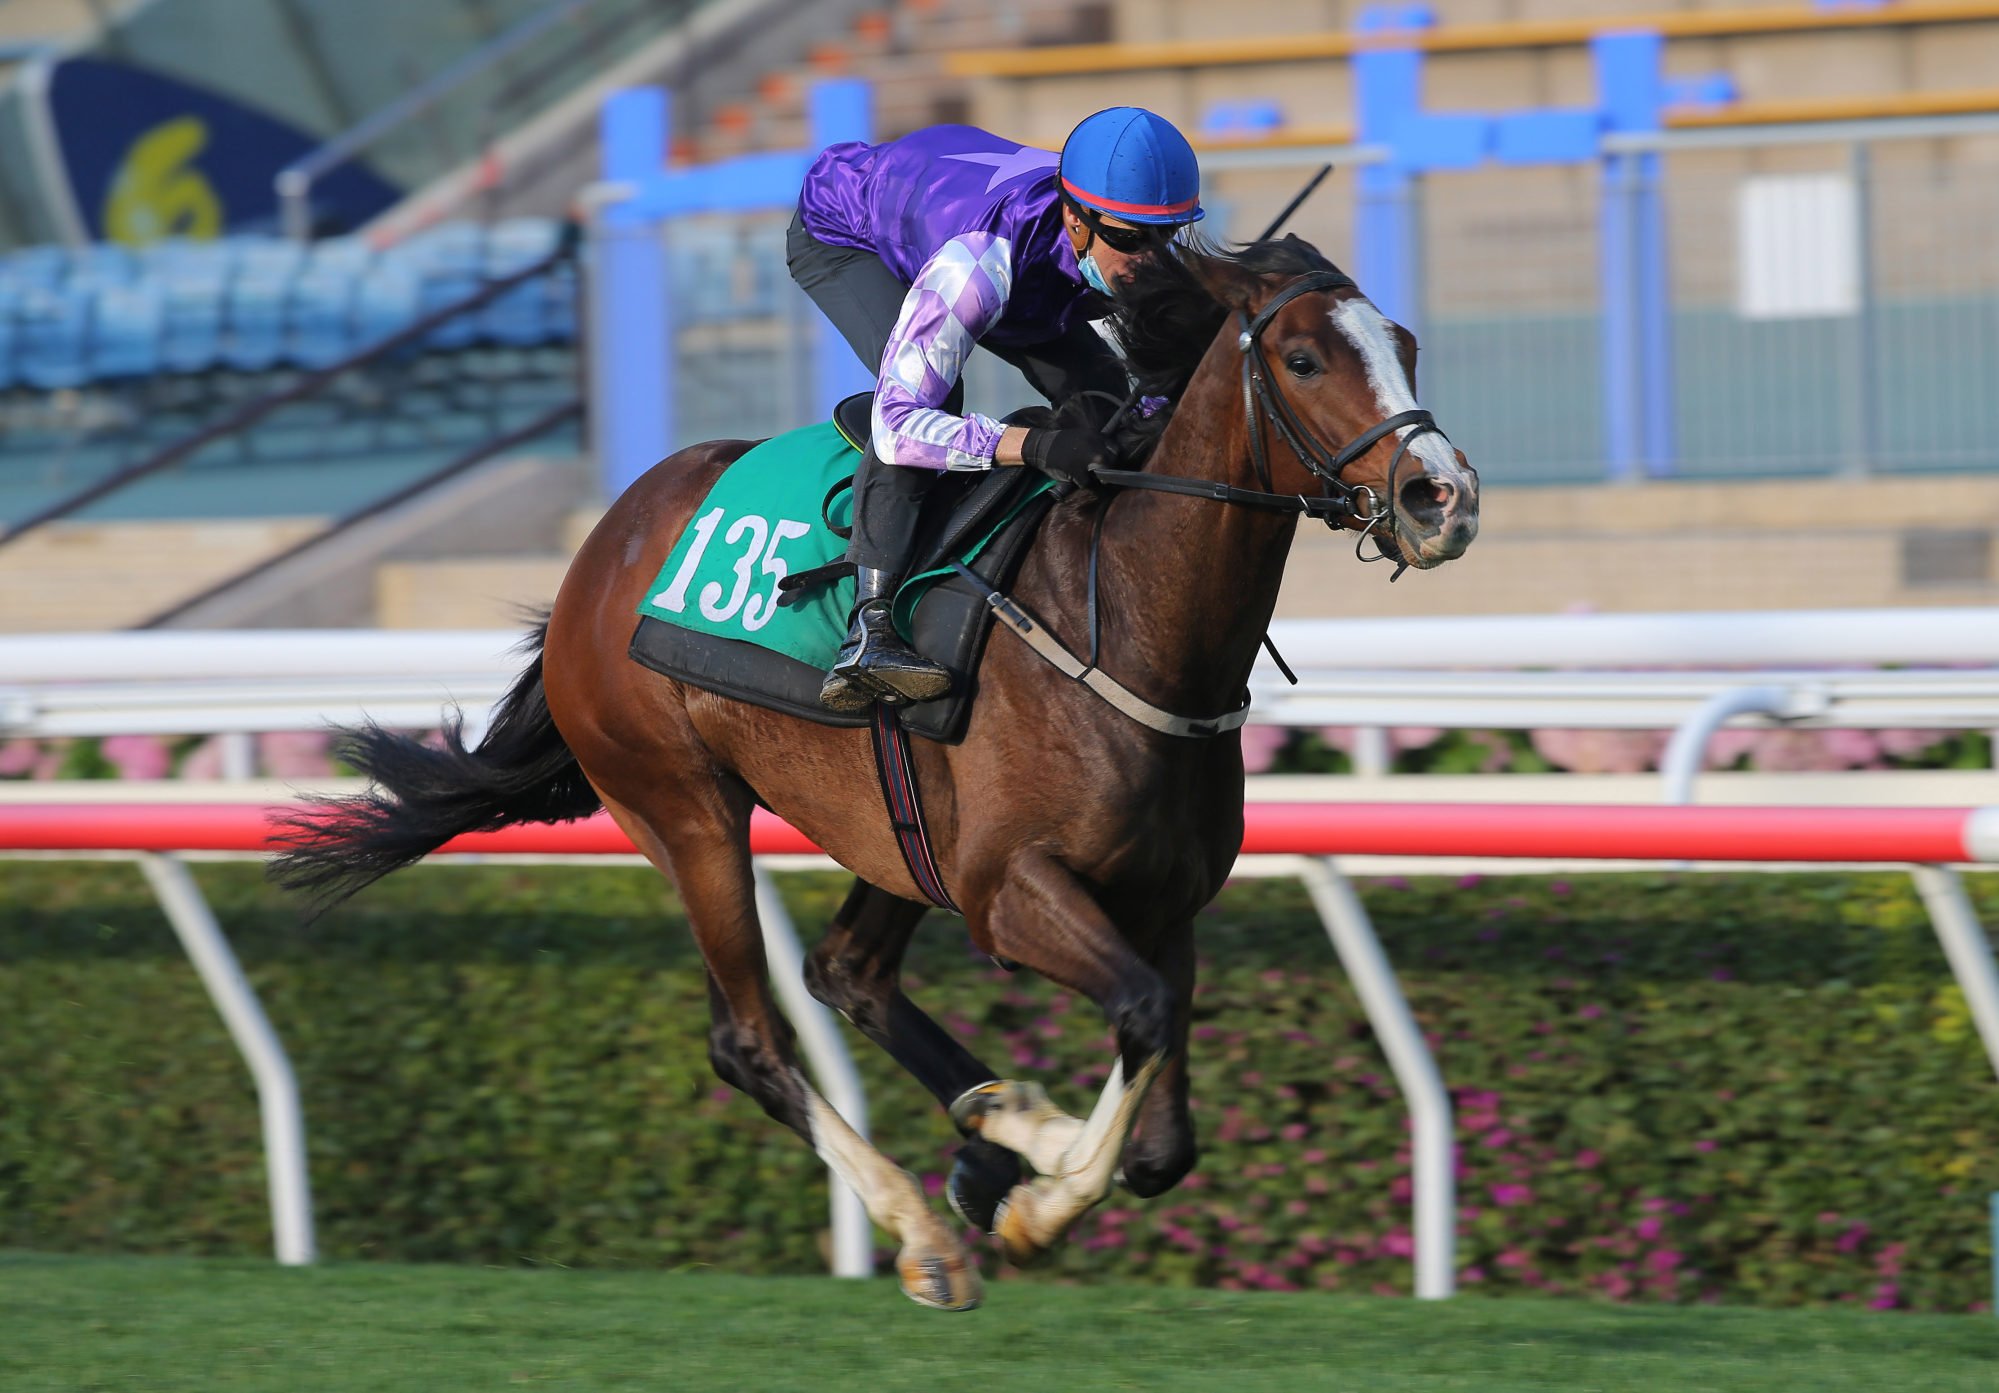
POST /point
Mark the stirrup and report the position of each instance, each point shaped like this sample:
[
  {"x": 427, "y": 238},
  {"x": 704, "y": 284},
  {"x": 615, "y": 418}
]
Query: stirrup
[{"x": 847, "y": 688}]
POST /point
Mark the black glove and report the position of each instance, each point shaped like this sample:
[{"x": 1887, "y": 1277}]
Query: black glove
[{"x": 1068, "y": 454}]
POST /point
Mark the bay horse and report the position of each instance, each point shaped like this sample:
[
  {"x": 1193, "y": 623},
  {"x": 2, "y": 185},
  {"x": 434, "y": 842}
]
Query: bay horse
[{"x": 1078, "y": 842}]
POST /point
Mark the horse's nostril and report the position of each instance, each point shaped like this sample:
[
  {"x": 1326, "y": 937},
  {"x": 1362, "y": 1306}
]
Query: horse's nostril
[{"x": 1428, "y": 500}]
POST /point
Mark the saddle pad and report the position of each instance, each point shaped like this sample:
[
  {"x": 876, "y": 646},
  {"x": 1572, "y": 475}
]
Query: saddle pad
[
  {"x": 760, "y": 522},
  {"x": 951, "y": 625},
  {"x": 763, "y": 520}
]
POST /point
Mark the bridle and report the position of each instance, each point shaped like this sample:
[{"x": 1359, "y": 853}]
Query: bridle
[{"x": 1338, "y": 501}]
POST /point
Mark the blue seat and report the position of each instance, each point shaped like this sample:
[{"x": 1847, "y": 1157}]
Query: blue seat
[
  {"x": 517, "y": 243},
  {"x": 126, "y": 331},
  {"x": 520, "y": 318},
  {"x": 191, "y": 328},
  {"x": 100, "y": 263},
  {"x": 319, "y": 320},
  {"x": 560, "y": 289},
  {"x": 255, "y": 341},
  {"x": 10, "y": 296},
  {"x": 450, "y": 261},
  {"x": 181, "y": 257},
  {"x": 350, "y": 256},
  {"x": 52, "y": 331},
  {"x": 452, "y": 243},
  {"x": 266, "y": 258},
  {"x": 441, "y": 287},
  {"x": 389, "y": 299},
  {"x": 43, "y": 266}
]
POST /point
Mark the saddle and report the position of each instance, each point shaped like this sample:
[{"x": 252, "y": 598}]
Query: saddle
[{"x": 950, "y": 622}]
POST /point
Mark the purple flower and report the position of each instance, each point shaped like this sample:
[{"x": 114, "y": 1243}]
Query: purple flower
[{"x": 1511, "y": 1196}]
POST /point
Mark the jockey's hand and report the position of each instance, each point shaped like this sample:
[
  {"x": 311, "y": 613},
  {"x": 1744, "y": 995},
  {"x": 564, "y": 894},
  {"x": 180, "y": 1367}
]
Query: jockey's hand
[{"x": 1068, "y": 454}]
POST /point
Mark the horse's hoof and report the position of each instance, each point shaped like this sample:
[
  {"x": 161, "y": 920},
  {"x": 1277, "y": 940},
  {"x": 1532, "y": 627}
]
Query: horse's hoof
[
  {"x": 1014, "y": 1227},
  {"x": 943, "y": 1284},
  {"x": 980, "y": 1179},
  {"x": 968, "y": 1113}
]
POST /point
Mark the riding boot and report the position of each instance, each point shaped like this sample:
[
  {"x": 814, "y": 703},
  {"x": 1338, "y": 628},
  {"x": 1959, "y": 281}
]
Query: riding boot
[{"x": 874, "y": 663}]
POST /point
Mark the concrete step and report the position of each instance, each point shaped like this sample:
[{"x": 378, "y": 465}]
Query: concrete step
[
  {"x": 112, "y": 575},
  {"x": 1811, "y": 544}
]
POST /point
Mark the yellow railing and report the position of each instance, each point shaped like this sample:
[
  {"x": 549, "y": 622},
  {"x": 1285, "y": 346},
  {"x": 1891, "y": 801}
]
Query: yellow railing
[
  {"x": 1775, "y": 113},
  {"x": 1459, "y": 38}
]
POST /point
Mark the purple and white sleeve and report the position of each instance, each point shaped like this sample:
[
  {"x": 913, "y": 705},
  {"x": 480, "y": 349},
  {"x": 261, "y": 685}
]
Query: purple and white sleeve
[{"x": 959, "y": 294}]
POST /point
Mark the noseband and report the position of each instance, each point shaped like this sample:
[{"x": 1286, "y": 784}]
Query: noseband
[{"x": 1338, "y": 501}]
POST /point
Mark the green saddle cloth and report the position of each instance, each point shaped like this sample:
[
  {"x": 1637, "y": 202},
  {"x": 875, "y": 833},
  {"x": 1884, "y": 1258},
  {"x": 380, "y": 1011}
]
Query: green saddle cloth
[{"x": 761, "y": 522}]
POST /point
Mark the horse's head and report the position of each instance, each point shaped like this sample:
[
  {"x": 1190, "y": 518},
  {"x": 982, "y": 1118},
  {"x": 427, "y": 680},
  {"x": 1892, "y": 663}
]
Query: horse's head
[{"x": 1333, "y": 386}]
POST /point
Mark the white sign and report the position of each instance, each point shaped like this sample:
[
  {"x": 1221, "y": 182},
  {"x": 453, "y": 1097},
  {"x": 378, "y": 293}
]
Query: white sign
[{"x": 1798, "y": 246}]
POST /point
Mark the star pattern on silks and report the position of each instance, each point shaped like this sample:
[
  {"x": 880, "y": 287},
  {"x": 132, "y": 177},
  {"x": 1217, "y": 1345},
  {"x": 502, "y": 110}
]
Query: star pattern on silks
[{"x": 1025, "y": 160}]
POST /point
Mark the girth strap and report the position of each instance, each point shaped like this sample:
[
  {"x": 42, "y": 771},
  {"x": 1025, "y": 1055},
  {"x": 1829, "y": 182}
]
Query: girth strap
[
  {"x": 1031, "y": 630},
  {"x": 905, "y": 805}
]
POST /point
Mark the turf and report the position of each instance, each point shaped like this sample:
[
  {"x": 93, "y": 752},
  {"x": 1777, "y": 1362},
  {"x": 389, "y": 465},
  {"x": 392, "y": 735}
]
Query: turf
[{"x": 218, "y": 1325}]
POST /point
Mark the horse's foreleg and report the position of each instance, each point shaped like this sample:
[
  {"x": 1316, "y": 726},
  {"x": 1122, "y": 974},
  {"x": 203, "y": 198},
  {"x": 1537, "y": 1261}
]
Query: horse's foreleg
[
  {"x": 1043, "y": 918},
  {"x": 857, "y": 970},
  {"x": 1162, "y": 1149},
  {"x": 750, "y": 1044}
]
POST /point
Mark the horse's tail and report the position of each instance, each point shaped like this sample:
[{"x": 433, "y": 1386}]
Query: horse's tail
[{"x": 522, "y": 771}]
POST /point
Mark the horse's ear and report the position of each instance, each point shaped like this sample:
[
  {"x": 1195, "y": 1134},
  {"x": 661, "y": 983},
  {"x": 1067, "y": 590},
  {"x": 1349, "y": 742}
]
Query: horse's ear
[{"x": 1225, "y": 281}]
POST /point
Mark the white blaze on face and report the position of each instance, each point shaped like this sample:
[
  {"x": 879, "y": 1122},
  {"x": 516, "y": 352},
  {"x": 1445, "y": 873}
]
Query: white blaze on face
[{"x": 1367, "y": 330}]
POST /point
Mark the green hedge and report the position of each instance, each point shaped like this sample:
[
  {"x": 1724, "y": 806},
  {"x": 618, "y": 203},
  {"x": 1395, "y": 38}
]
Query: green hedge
[{"x": 1750, "y": 1089}]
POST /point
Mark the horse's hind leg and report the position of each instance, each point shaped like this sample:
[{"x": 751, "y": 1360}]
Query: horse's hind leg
[
  {"x": 706, "y": 852},
  {"x": 857, "y": 970},
  {"x": 1044, "y": 918}
]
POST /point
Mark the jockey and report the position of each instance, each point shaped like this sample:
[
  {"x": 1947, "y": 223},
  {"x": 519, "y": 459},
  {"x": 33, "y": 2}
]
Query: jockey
[{"x": 918, "y": 249}]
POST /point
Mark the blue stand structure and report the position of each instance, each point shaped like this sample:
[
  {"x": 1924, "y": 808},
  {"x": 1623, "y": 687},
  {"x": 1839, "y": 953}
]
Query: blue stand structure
[
  {"x": 1637, "y": 318},
  {"x": 1631, "y": 94},
  {"x": 632, "y": 332}
]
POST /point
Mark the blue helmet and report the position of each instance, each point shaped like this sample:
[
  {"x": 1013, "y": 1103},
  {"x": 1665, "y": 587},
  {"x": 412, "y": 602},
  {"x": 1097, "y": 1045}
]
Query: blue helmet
[{"x": 1133, "y": 165}]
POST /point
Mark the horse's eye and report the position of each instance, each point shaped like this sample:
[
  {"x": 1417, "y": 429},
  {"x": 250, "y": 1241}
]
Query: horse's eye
[{"x": 1301, "y": 364}]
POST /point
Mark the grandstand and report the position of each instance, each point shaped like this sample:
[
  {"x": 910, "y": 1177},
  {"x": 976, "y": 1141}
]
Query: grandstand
[{"x": 1885, "y": 113}]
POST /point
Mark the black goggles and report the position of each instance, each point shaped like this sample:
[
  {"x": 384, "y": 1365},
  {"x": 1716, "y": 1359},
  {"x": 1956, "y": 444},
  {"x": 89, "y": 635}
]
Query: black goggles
[{"x": 1129, "y": 240}]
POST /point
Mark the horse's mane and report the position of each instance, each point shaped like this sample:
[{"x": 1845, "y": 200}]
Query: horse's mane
[{"x": 1163, "y": 320}]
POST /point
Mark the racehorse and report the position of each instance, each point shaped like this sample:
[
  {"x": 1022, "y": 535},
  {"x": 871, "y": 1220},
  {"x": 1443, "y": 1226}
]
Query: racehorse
[{"x": 1076, "y": 840}]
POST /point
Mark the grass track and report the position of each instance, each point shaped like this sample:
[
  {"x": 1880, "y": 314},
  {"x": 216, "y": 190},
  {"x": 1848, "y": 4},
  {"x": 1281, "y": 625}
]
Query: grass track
[{"x": 218, "y": 1326}]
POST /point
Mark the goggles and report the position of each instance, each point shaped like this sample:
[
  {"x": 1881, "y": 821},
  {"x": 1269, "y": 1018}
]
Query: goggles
[{"x": 1129, "y": 240}]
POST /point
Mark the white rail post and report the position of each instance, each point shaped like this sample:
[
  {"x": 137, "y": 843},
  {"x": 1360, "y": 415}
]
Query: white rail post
[
  {"x": 243, "y": 1014},
  {"x": 1682, "y": 760},
  {"x": 1965, "y": 944},
  {"x": 1414, "y": 1066},
  {"x": 832, "y": 1068}
]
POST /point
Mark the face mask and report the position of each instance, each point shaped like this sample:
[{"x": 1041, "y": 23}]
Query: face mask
[{"x": 1092, "y": 276}]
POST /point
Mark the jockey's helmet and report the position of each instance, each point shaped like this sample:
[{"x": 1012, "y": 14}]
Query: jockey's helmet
[{"x": 1135, "y": 166}]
